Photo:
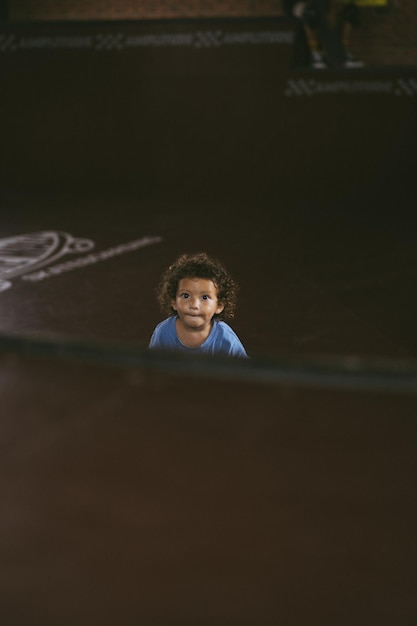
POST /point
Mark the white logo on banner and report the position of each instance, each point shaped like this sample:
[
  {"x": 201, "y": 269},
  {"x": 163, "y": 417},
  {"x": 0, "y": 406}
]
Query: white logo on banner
[
  {"x": 313, "y": 87},
  {"x": 117, "y": 41},
  {"x": 30, "y": 256},
  {"x": 208, "y": 38},
  {"x": 7, "y": 43},
  {"x": 407, "y": 87},
  {"x": 110, "y": 41}
]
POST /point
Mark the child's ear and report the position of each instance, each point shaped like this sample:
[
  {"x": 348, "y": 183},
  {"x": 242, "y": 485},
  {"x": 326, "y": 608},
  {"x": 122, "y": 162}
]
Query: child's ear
[
  {"x": 173, "y": 305},
  {"x": 220, "y": 308}
]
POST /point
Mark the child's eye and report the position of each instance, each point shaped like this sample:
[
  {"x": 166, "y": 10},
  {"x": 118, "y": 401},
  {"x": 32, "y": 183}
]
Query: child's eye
[
  {"x": 205, "y": 297},
  {"x": 184, "y": 295}
]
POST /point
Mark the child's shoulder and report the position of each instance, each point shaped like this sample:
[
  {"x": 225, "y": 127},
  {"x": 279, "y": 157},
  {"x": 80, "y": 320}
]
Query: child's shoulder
[
  {"x": 224, "y": 328},
  {"x": 226, "y": 332},
  {"x": 168, "y": 322},
  {"x": 228, "y": 339},
  {"x": 164, "y": 328},
  {"x": 164, "y": 334}
]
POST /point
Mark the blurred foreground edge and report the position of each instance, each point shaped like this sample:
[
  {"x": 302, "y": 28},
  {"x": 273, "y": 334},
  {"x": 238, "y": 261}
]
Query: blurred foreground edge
[{"x": 344, "y": 372}]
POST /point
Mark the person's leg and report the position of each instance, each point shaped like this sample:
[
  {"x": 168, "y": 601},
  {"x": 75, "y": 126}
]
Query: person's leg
[{"x": 350, "y": 17}]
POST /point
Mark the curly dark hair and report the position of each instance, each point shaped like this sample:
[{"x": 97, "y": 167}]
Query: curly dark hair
[{"x": 198, "y": 266}]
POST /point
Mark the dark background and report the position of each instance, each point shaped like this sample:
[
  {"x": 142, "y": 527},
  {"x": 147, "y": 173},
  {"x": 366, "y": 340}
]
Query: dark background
[
  {"x": 141, "y": 490},
  {"x": 307, "y": 199}
]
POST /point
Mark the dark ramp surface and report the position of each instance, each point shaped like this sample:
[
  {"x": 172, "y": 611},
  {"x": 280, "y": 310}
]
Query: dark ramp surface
[
  {"x": 311, "y": 282},
  {"x": 134, "y": 496}
]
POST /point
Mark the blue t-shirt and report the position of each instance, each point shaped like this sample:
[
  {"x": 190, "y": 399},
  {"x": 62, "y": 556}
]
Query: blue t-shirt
[{"x": 221, "y": 340}]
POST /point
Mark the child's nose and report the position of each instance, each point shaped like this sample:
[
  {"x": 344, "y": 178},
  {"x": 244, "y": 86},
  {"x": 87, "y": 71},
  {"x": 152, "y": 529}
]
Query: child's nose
[{"x": 194, "y": 303}]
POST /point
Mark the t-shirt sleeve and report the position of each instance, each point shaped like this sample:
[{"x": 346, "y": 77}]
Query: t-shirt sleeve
[
  {"x": 231, "y": 343},
  {"x": 237, "y": 349},
  {"x": 154, "y": 343},
  {"x": 164, "y": 335},
  {"x": 157, "y": 338}
]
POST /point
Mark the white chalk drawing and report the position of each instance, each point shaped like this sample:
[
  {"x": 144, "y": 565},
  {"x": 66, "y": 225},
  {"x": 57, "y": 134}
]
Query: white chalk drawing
[
  {"x": 30, "y": 257},
  {"x": 26, "y": 253}
]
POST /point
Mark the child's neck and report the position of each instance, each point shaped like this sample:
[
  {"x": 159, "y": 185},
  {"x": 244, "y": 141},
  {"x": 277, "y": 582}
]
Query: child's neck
[{"x": 192, "y": 338}]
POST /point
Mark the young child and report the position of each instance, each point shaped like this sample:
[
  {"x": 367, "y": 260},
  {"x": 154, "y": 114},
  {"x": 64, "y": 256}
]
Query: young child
[{"x": 198, "y": 294}]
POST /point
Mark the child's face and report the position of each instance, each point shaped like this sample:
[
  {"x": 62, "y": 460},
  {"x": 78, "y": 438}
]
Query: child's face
[{"x": 196, "y": 302}]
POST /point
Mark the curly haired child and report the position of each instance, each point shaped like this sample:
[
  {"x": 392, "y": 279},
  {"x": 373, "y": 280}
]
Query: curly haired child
[{"x": 197, "y": 294}]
